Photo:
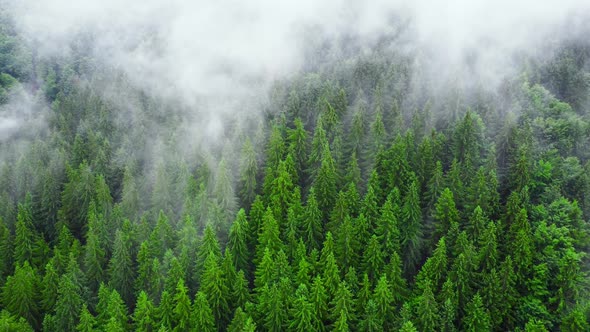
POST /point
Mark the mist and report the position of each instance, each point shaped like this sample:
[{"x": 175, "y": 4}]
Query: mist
[
  {"x": 216, "y": 55},
  {"x": 214, "y": 64}
]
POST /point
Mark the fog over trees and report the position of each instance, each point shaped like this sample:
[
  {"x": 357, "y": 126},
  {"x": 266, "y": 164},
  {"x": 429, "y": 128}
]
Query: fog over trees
[{"x": 294, "y": 166}]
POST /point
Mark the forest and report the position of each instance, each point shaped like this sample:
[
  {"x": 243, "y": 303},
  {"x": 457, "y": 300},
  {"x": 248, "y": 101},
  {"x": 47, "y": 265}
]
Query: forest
[{"x": 358, "y": 197}]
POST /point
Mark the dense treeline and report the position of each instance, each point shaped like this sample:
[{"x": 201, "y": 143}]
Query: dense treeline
[{"x": 362, "y": 201}]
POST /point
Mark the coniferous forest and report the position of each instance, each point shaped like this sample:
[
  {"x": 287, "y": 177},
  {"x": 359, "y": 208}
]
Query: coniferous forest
[{"x": 358, "y": 197}]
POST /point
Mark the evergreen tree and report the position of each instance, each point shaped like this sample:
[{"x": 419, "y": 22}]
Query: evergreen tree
[
  {"x": 445, "y": 213},
  {"x": 248, "y": 173},
  {"x": 215, "y": 290},
  {"x": 302, "y": 318},
  {"x": 121, "y": 272},
  {"x": 373, "y": 258},
  {"x": 24, "y": 240},
  {"x": 202, "y": 315},
  {"x": 383, "y": 298},
  {"x": 372, "y": 321},
  {"x": 238, "y": 242},
  {"x": 342, "y": 304},
  {"x": 297, "y": 138},
  {"x": 429, "y": 319},
  {"x": 319, "y": 299},
  {"x": 312, "y": 222},
  {"x": 87, "y": 322},
  {"x": 325, "y": 182},
  {"x": 68, "y": 305},
  {"x": 94, "y": 256},
  {"x": 49, "y": 288},
  {"x": 411, "y": 233},
  {"x": 117, "y": 312},
  {"x": 166, "y": 311},
  {"x": 182, "y": 309},
  {"x": 387, "y": 229},
  {"x": 144, "y": 314},
  {"x": 19, "y": 294},
  {"x": 476, "y": 318}
]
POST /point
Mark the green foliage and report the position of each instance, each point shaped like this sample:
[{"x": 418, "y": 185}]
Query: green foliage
[
  {"x": 363, "y": 201},
  {"x": 19, "y": 294}
]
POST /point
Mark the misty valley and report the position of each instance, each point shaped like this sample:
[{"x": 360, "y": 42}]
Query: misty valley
[{"x": 294, "y": 167}]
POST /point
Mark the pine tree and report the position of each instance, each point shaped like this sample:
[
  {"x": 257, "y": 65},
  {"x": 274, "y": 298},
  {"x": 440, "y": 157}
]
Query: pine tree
[
  {"x": 49, "y": 288},
  {"x": 274, "y": 154},
  {"x": 281, "y": 195},
  {"x": 341, "y": 324},
  {"x": 521, "y": 246},
  {"x": 369, "y": 208},
  {"x": 182, "y": 308},
  {"x": 240, "y": 292},
  {"x": 214, "y": 287},
  {"x": 144, "y": 314},
  {"x": 445, "y": 213},
  {"x": 476, "y": 318},
  {"x": 174, "y": 272},
  {"x": 94, "y": 255},
  {"x": 319, "y": 298},
  {"x": 312, "y": 222},
  {"x": 273, "y": 309},
  {"x": 302, "y": 317},
  {"x": 117, "y": 311},
  {"x": 387, "y": 229},
  {"x": 383, "y": 298},
  {"x": 411, "y": 233},
  {"x": 373, "y": 258},
  {"x": 378, "y": 135},
  {"x": 353, "y": 171},
  {"x": 428, "y": 316},
  {"x": 24, "y": 240},
  {"x": 121, "y": 272},
  {"x": 339, "y": 212},
  {"x": 202, "y": 315},
  {"x": 162, "y": 194},
  {"x": 19, "y": 294},
  {"x": 435, "y": 267},
  {"x": 166, "y": 311},
  {"x": 325, "y": 182},
  {"x": 297, "y": 138},
  {"x": 346, "y": 244},
  {"x": 248, "y": 173},
  {"x": 435, "y": 185},
  {"x": 269, "y": 236},
  {"x": 77, "y": 194},
  {"x": 399, "y": 285},
  {"x": 342, "y": 304},
  {"x": 265, "y": 271},
  {"x": 186, "y": 248},
  {"x": 208, "y": 245},
  {"x": 87, "y": 322},
  {"x": 130, "y": 200},
  {"x": 488, "y": 252},
  {"x": 148, "y": 272},
  {"x": 331, "y": 274},
  {"x": 238, "y": 242},
  {"x": 372, "y": 321},
  {"x": 408, "y": 326},
  {"x": 68, "y": 305},
  {"x": 5, "y": 250}
]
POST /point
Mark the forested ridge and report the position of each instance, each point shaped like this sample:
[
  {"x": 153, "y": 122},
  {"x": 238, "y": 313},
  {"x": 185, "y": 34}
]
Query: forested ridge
[{"x": 358, "y": 198}]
